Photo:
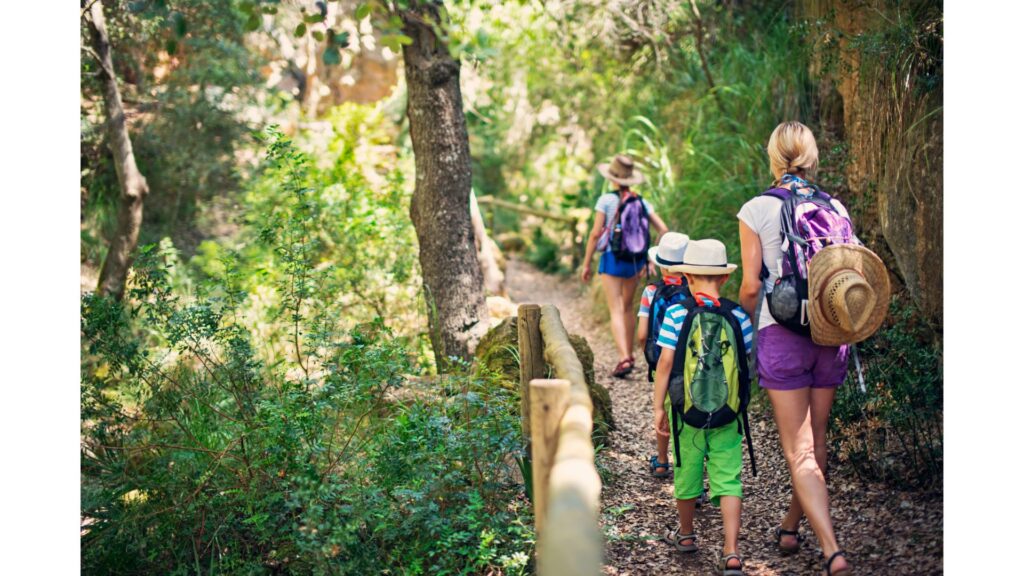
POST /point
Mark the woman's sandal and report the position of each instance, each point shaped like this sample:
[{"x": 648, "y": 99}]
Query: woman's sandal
[
  {"x": 724, "y": 565},
  {"x": 842, "y": 571},
  {"x": 787, "y": 550},
  {"x": 655, "y": 465},
  {"x": 673, "y": 537},
  {"x": 623, "y": 368}
]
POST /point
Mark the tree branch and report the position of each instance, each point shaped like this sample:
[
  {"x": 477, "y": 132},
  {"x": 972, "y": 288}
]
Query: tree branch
[{"x": 699, "y": 35}]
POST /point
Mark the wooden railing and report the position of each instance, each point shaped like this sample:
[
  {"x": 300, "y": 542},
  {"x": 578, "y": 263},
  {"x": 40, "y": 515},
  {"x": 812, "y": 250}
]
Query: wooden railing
[
  {"x": 558, "y": 420},
  {"x": 576, "y": 221}
]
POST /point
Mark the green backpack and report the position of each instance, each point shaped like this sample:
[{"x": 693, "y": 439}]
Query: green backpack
[{"x": 709, "y": 386}]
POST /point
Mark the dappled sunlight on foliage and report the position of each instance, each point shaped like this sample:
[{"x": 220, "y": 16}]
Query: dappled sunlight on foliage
[{"x": 212, "y": 444}]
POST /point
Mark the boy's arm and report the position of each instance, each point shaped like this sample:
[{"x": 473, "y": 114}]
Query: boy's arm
[
  {"x": 661, "y": 389},
  {"x": 641, "y": 330},
  {"x": 643, "y": 315}
]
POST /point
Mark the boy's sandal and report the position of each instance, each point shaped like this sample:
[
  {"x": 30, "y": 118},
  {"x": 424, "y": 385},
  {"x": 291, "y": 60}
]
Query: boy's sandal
[
  {"x": 787, "y": 550},
  {"x": 623, "y": 368},
  {"x": 667, "y": 468},
  {"x": 673, "y": 537},
  {"x": 828, "y": 565},
  {"x": 726, "y": 570}
]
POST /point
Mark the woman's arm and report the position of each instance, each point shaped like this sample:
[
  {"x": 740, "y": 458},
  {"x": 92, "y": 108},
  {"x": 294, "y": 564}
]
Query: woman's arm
[
  {"x": 659, "y": 225},
  {"x": 750, "y": 289},
  {"x": 595, "y": 233}
]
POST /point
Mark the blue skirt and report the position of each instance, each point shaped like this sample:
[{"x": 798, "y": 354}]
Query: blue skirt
[{"x": 626, "y": 268}]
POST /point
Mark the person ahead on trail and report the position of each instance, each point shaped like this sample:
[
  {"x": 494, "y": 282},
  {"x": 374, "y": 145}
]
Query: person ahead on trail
[
  {"x": 622, "y": 222},
  {"x": 799, "y": 373},
  {"x": 701, "y": 393},
  {"x": 654, "y": 302}
]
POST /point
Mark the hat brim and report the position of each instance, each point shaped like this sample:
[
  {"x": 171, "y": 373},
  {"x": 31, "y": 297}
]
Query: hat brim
[
  {"x": 652, "y": 256},
  {"x": 822, "y": 266},
  {"x": 636, "y": 178},
  {"x": 706, "y": 270}
]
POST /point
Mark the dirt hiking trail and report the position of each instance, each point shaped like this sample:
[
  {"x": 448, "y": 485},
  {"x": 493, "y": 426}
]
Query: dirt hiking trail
[{"x": 884, "y": 531}]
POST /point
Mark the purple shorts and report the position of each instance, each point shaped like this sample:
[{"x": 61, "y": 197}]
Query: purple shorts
[{"x": 788, "y": 361}]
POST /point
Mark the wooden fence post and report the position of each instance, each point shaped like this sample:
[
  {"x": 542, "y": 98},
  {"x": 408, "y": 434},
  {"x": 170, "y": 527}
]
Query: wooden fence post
[
  {"x": 548, "y": 401},
  {"x": 531, "y": 360}
]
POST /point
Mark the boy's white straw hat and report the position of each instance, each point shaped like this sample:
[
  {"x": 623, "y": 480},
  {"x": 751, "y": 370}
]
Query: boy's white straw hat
[
  {"x": 706, "y": 257},
  {"x": 670, "y": 250},
  {"x": 848, "y": 293}
]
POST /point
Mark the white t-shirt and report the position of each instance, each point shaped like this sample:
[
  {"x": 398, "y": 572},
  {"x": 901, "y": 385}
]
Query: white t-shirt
[{"x": 763, "y": 215}]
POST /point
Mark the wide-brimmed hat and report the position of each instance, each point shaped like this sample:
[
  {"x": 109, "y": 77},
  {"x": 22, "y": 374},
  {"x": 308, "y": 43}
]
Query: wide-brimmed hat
[
  {"x": 848, "y": 294},
  {"x": 621, "y": 171},
  {"x": 706, "y": 257},
  {"x": 669, "y": 252}
]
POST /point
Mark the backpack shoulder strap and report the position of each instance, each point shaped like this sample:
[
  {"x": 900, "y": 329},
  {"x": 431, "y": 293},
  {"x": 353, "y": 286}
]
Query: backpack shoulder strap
[
  {"x": 690, "y": 304},
  {"x": 727, "y": 307},
  {"x": 780, "y": 193}
]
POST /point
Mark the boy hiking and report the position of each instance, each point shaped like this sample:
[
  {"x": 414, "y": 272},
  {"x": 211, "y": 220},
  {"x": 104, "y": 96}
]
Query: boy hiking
[
  {"x": 654, "y": 302},
  {"x": 701, "y": 393}
]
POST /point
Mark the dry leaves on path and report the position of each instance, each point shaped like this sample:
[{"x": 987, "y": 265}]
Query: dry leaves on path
[{"x": 884, "y": 531}]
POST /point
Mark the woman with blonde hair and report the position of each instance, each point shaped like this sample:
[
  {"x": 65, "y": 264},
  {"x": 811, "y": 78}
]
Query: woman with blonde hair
[
  {"x": 620, "y": 273},
  {"x": 800, "y": 376}
]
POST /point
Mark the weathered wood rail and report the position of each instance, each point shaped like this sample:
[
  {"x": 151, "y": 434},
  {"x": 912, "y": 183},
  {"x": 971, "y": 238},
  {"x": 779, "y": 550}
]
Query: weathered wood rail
[
  {"x": 558, "y": 421},
  {"x": 575, "y": 221}
]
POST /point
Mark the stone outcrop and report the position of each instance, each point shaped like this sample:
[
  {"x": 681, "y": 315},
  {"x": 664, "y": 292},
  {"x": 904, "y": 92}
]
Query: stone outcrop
[{"x": 891, "y": 119}]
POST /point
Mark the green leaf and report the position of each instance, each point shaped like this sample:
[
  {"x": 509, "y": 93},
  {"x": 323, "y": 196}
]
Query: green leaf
[
  {"x": 179, "y": 24},
  {"x": 171, "y": 46},
  {"x": 404, "y": 40},
  {"x": 339, "y": 39},
  {"x": 313, "y": 18},
  {"x": 390, "y": 42},
  {"x": 300, "y": 30},
  {"x": 362, "y": 11},
  {"x": 253, "y": 23},
  {"x": 317, "y": 35},
  {"x": 332, "y": 56}
]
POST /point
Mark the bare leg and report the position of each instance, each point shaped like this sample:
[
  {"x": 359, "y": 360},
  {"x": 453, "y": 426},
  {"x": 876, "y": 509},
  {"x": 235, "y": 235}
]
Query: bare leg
[
  {"x": 629, "y": 315},
  {"x": 613, "y": 296},
  {"x": 793, "y": 418},
  {"x": 731, "y": 508},
  {"x": 685, "y": 509},
  {"x": 821, "y": 406},
  {"x": 662, "y": 448}
]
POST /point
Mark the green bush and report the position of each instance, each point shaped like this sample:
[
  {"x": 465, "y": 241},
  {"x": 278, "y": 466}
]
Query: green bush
[
  {"x": 203, "y": 452},
  {"x": 893, "y": 432},
  {"x": 544, "y": 253}
]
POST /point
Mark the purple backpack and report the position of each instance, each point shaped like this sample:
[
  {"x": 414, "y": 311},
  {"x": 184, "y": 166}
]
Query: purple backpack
[
  {"x": 630, "y": 229},
  {"x": 809, "y": 223}
]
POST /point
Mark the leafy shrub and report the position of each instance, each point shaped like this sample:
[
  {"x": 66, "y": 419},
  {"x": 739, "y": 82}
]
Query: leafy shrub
[
  {"x": 544, "y": 253},
  {"x": 202, "y": 452},
  {"x": 893, "y": 431}
]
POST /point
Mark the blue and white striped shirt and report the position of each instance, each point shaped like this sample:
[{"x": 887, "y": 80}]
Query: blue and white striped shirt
[{"x": 668, "y": 337}]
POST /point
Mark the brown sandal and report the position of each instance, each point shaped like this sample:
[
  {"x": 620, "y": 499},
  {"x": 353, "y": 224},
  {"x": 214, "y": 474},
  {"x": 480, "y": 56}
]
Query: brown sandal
[
  {"x": 787, "y": 550},
  {"x": 623, "y": 368}
]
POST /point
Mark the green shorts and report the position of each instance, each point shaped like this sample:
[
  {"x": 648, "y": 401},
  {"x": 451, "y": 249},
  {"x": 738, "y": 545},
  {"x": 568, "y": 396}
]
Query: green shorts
[{"x": 724, "y": 449}]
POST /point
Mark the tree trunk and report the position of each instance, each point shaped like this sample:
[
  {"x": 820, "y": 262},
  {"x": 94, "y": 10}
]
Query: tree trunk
[
  {"x": 133, "y": 184},
  {"x": 452, "y": 280}
]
